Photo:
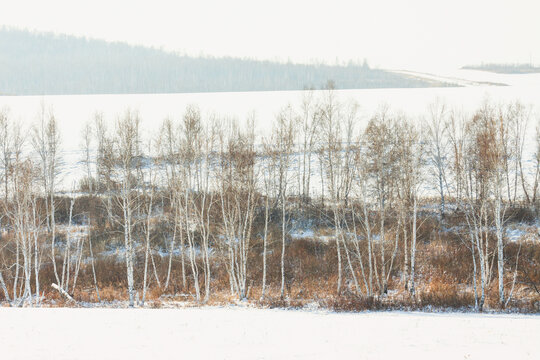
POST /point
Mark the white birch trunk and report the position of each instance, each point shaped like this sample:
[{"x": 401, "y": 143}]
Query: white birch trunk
[{"x": 413, "y": 250}]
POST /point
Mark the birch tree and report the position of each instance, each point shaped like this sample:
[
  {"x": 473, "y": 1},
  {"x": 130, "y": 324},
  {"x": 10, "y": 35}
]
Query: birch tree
[
  {"x": 170, "y": 154},
  {"x": 380, "y": 156},
  {"x": 283, "y": 142},
  {"x": 127, "y": 149},
  {"x": 24, "y": 217},
  {"x": 483, "y": 181},
  {"x": 46, "y": 142},
  {"x": 268, "y": 174},
  {"x": 105, "y": 162},
  {"x": 308, "y": 123},
  {"x": 191, "y": 148},
  {"x": 410, "y": 159},
  {"x": 336, "y": 149},
  {"x": 437, "y": 147},
  {"x": 87, "y": 137},
  {"x": 149, "y": 182},
  {"x": 5, "y": 148},
  {"x": 237, "y": 197}
]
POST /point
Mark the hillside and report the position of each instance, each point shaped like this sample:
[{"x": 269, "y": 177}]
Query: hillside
[{"x": 44, "y": 64}]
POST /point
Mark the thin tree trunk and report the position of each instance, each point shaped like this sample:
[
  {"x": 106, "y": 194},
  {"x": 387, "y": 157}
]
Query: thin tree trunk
[
  {"x": 265, "y": 243},
  {"x": 182, "y": 258},
  {"x": 413, "y": 250},
  {"x": 80, "y": 246},
  {"x": 4, "y": 288},
  {"x": 94, "y": 268},
  {"x": 146, "y": 252},
  {"x": 384, "y": 288},
  {"x": 66, "y": 263},
  {"x": 53, "y": 238},
  {"x": 500, "y": 249},
  {"x": 370, "y": 248},
  {"x": 405, "y": 275},
  {"x": 474, "y": 274},
  {"x": 282, "y": 291},
  {"x": 36, "y": 263},
  {"x": 338, "y": 250},
  {"x": 156, "y": 275},
  {"x": 515, "y": 278},
  {"x": 349, "y": 263},
  {"x": 171, "y": 253},
  {"x": 129, "y": 247},
  {"x": 16, "y": 278}
]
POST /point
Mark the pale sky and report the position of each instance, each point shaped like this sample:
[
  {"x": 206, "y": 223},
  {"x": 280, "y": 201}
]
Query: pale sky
[{"x": 394, "y": 34}]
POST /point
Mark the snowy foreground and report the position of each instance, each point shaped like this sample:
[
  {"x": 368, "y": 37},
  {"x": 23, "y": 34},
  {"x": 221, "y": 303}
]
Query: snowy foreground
[{"x": 246, "y": 333}]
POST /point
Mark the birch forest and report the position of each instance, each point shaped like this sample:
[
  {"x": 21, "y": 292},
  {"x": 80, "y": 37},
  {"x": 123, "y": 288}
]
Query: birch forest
[{"x": 329, "y": 209}]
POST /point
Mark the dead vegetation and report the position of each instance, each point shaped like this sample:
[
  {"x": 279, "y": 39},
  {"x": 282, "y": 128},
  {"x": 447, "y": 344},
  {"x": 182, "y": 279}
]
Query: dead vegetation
[{"x": 321, "y": 215}]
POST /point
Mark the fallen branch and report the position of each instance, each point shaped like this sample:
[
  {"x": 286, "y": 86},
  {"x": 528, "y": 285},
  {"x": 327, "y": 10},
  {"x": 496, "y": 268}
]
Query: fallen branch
[{"x": 63, "y": 292}]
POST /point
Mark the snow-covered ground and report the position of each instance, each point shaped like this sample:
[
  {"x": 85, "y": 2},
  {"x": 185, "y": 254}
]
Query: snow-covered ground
[
  {"x": 74, "y": 111},
  {"x": 246, "y": 333}
]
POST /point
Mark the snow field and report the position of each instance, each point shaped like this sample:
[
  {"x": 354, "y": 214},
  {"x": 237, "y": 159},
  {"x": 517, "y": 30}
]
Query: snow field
[
  {"x": 247, "y": 333},
  {"x": 74, "y": 111}
]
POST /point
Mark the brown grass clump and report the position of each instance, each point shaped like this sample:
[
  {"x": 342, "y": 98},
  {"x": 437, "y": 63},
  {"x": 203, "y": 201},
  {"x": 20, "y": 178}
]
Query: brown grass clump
[
  {"x": 354, "y": 303},
  {"x": 441, "y": 293},
  {"x": 112, "y": 293}
]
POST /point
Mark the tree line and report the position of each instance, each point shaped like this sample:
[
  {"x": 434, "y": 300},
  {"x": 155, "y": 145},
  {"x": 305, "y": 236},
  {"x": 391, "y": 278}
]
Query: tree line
[
  {"x": 46, "y": 64},
  {"x": 208, "y": 206}
]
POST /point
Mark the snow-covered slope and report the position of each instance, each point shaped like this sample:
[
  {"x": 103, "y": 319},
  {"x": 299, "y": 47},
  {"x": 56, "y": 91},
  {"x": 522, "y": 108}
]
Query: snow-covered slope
[
  {"x": 246, "y": 333},
  {"x": 73, "y": 111}
]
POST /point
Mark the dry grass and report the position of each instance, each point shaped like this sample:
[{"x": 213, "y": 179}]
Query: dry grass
[{"x": 443, "y": 281}]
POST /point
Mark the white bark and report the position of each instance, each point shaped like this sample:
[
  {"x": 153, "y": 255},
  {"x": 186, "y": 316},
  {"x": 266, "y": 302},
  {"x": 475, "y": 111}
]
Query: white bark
[
  {"x": 63, "y": 292},
  {"x": 413, "y": 250},
  {"x": 93, "y": 268},
  {"x": 4, "y": 288}
]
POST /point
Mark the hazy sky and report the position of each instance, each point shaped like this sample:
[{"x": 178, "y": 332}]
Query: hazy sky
[{"x": 397, "y": 34}]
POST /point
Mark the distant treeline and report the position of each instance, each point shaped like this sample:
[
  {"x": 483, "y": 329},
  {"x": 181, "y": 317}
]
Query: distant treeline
[
  {"x": 42, "y": 63},
  {"x": 505, "y": 68}
]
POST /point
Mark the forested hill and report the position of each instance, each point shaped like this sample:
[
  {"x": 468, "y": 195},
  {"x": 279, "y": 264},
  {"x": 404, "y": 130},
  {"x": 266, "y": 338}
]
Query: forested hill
[
  {"x": 505, "y": 68},
  {"x": 42, "y": 63}
]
